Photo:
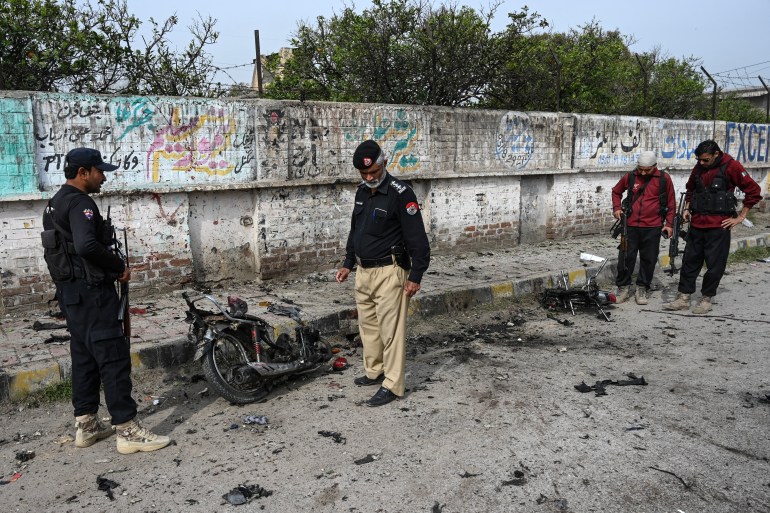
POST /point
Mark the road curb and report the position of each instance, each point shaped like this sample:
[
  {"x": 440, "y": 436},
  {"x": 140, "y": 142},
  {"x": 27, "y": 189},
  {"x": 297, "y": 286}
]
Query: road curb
[{"x": 19, "y": 383}]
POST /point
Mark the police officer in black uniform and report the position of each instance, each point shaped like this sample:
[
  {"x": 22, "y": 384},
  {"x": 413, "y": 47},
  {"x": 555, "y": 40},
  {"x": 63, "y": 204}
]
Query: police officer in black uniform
[
  {"x": 76, "y": 244},
  {"x": 387, "y": 242}
]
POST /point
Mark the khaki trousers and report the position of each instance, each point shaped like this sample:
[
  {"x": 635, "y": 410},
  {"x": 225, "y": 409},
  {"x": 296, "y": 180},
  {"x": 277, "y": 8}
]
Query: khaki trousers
[{"x": 382, "y": 310}]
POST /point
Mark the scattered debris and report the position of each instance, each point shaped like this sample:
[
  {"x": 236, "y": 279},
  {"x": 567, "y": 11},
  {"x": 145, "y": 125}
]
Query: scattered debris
[
  {"x": 13, "y": 479},
  {"x": 560, "y": 504},
  {"x": 40, "y": 326},
  {"x": 565, "y": 322},
  {"x": 334, "y": 435},
  {"x": 437, "y": 508},
  {"x": 256, "y": 419},
  {"x": 340, "y": 364},
  {"x": 684, "y": 483},
  {"x": 466, "y": 474},
  {"x": 25, "y": 456},
  {"x": 56, "y": 339},
  {"x": 519, "y": 479},
  {"x": 133, "y": 310},
  {"x": 245, "y": 493},
  {"x": 106, "y": 485},
  {"x": 599, "y": 387},
  {"x": 287, "y": 311},
  {"x": 366, "y": 459}
]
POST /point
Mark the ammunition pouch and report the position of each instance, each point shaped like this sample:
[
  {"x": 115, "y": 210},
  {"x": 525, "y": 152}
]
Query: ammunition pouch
[
  {"x": 57, "y": 257},
  {"x": 714, "y": 202},
  {"x": 95, "y": 275}
]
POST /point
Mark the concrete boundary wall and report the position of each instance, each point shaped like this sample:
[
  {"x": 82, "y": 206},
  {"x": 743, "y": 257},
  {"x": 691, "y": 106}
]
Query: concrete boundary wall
[{"x": 214, "y": 190}]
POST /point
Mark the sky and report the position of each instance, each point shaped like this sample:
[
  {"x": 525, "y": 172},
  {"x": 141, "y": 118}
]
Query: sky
[{"x": 728, "y": 37}]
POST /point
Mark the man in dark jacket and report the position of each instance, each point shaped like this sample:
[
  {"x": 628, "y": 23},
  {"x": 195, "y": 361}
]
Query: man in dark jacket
[
  {"x": 649, "y": 208},
  {"x": 387, "y": 242},
  {"x": 710, "y": 206},
  {"x": 76, "y": 247}
]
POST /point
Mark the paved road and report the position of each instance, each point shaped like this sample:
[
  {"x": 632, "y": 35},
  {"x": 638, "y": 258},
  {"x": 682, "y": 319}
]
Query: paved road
[{"x": 491, "y": 422}]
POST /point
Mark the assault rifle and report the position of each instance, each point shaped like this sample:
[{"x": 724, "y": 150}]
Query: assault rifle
[
  {"x": 676, "y": 233},
  {"x": 117, "y": 247},
  {"x": 621, "y": 228}
]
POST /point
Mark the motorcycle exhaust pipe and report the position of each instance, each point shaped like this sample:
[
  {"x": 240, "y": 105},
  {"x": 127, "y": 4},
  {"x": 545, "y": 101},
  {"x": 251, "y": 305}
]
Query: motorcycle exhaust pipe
[{"x": 276, "y": 369}]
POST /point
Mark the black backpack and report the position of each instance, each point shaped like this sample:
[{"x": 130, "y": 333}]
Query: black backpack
[{"x": 663, "y": 196}]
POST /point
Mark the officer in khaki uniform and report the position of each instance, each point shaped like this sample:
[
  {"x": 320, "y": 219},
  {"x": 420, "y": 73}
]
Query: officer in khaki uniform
[{"x": 388, "y": 244}]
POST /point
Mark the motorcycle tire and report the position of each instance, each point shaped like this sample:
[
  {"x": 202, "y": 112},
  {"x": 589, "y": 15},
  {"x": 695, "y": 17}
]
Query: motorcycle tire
[{"x": 228, "y": 352}]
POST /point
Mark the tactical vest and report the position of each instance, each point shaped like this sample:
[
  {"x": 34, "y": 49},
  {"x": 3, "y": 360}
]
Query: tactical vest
[
  {"x": 715, "y": 199},
  {"x": 58, "y": 252},
  {"x": 64, "y": 264}
]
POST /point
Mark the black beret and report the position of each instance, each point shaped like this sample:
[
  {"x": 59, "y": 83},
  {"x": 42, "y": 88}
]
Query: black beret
[
  {"x": 366, "y": 154},
  {"x": 88, "y": 158}
]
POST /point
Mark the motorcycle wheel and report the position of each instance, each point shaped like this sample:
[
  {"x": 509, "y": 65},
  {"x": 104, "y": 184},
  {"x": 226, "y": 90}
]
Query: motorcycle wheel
[{"x": 227, "y": 353}]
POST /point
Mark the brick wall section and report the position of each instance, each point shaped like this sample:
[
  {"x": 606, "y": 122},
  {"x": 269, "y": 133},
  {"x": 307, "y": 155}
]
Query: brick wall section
[
  {"x": 303, "y": 228},
  {"x": 214, "y": 190},
  {"x": 476, "y": 210}
]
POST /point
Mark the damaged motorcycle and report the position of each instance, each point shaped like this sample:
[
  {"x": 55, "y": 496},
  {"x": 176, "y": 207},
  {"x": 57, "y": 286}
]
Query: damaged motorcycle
[
  {"x": 588, "y": 295},
  {"x": 240, "y": 360}
]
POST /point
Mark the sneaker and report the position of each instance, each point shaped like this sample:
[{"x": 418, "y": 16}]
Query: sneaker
[
  {"x": 682, "y": 302},
  {"x": 641, "y": 295},
  {"x": 703, "y": 306},
  {"x": 133, "y": 437},
  {"x": 90, "y": 430},
  {"x": 621, "y": 296}
]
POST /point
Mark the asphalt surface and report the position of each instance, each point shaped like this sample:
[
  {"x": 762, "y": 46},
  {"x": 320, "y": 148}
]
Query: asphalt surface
[{"x": 31, "y": 359}]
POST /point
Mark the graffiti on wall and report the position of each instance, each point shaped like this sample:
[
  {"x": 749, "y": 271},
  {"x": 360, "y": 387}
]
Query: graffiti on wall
[
  {"x": 515, "y": 140},
  {"x": 677, "y": 140},
  {"x": 747, "y": 142},
  {"x": 610, "y": 141},
  {"x": 17, "y": 167},
  {"x": 396, "y": 134},
  {"x": 312, "y": 155},
  {"x": 151, "y": 140},
  {"x": 134, "y": 114},
  {"x": 196, "y": 144}
]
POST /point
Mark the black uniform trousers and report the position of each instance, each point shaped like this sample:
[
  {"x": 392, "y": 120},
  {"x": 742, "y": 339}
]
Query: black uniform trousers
[
  {"x": 100, "y": 353},
  {"x": 645, "y": 242},
  {"x": 712, "y": 246}
]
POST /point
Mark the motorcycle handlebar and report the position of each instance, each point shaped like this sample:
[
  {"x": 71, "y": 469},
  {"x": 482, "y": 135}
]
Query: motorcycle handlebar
[{"x": 248, "y": 319}]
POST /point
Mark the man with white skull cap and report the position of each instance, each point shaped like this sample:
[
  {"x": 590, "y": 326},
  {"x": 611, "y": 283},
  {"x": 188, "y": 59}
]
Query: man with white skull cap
[{"x": 649, "y": 208}]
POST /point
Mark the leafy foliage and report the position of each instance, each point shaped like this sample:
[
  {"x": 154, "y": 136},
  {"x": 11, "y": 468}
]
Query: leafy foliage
[
  {"x": 54, "y": 45},
  {"x": 394, "y": 52},
  {"x": 408, "y": 51}
]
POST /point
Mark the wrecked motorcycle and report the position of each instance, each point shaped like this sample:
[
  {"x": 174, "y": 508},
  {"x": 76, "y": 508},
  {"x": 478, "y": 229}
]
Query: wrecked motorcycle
[
  {"x": 240, "y": 360},
  {"x": 588, "y": 295}
]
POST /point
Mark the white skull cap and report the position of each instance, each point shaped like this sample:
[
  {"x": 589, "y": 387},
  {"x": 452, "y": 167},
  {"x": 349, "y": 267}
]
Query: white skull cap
[{"x": 647, "y": 159}]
